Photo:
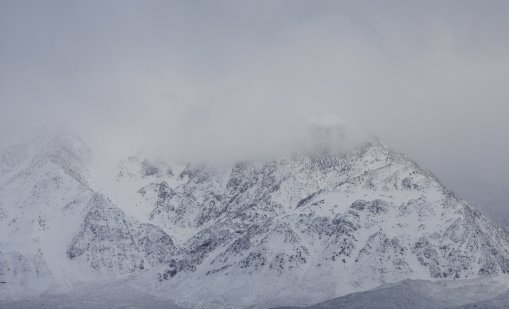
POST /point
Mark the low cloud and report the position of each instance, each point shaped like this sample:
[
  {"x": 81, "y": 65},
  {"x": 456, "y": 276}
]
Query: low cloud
[{"x": 429, "y": 78}]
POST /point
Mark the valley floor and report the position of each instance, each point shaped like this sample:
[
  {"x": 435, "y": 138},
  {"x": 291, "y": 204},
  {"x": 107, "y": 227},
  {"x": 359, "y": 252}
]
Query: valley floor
[
  {"x": 421, "y": 294},
  {"x": 115, "y": 296}
]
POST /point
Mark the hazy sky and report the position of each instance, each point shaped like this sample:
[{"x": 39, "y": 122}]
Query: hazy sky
[{"x": 430, "y": 78}]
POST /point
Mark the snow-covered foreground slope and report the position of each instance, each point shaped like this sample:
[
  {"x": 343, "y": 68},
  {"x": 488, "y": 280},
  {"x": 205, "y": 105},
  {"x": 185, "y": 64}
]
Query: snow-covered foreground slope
[
  {"x": 499, "y": 302},
  {"x": 419, "y": 294},
  {"x": 297, "y": 229}
]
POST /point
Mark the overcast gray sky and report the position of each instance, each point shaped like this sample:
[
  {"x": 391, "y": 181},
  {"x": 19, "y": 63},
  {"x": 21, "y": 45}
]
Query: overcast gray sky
[{"x": 429, "y": 77}]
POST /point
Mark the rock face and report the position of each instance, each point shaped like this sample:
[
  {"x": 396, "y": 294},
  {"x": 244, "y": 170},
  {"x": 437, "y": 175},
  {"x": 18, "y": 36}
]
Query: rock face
[
  {"x": 294, "y": 230},
  {"x": 111, "y": 241}
]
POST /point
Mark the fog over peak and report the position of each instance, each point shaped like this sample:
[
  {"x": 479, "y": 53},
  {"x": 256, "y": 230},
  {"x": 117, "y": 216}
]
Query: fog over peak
[{"x": 429, "y": 78}]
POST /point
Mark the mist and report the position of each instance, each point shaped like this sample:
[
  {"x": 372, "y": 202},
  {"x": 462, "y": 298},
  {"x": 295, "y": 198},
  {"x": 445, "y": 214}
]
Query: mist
[{"x": 429, "y": 78}]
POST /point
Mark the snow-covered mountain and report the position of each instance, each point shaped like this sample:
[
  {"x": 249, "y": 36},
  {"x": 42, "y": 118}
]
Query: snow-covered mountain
[{"x": 300, "y": 228}]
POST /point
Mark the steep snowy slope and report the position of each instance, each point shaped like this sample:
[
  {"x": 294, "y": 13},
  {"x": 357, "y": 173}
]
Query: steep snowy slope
[{"x": 54, "y": 229}]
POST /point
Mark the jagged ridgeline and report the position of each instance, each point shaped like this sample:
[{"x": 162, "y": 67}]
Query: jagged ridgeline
[{"x": 340, "y": 215}]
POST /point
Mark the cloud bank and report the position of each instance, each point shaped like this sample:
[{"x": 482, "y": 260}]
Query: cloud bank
[{"x": 427, "y": 77}]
